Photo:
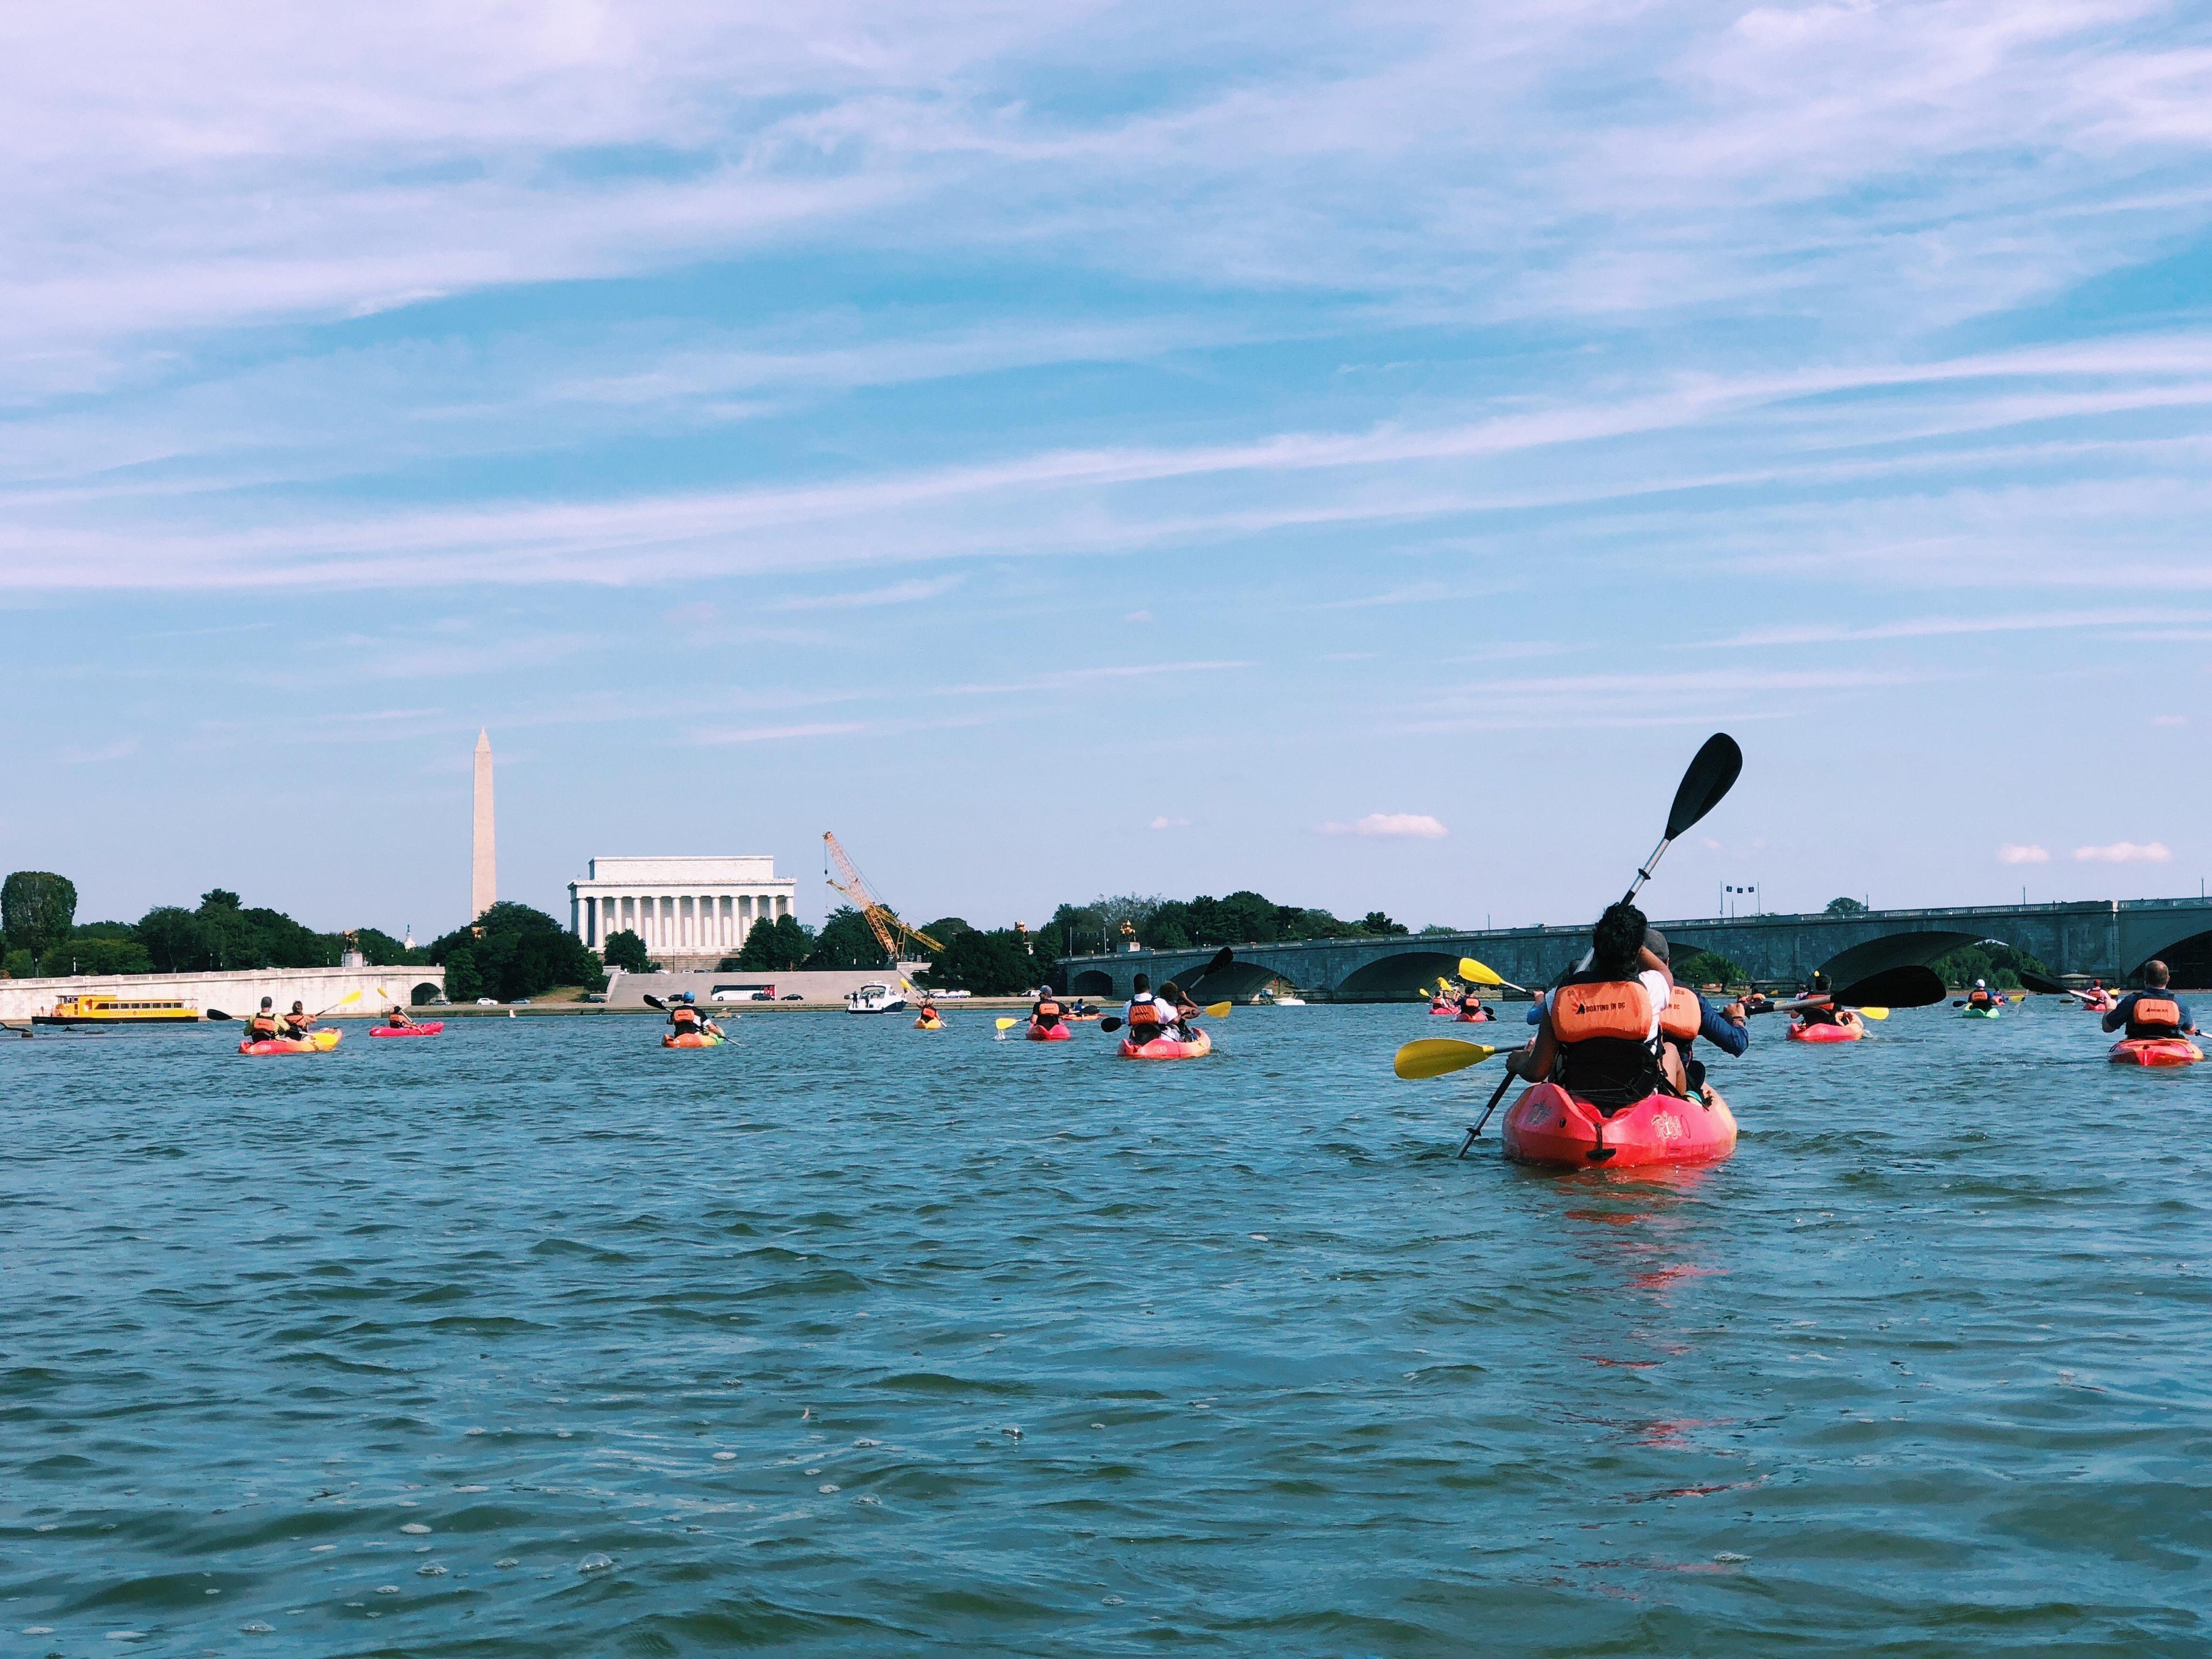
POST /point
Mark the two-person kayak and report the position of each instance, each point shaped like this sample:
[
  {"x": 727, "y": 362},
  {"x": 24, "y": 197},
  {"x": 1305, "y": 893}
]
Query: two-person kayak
[
  {"x": 1196, "y": 1046},
  {"x": 692, "y": 1040},
  {"x": 2154, "y": 1051},
  {"x": 1824, "y": 1032},
  {"x": 315, "y": 1042},
  {"x": 1549, "y": 1126}
]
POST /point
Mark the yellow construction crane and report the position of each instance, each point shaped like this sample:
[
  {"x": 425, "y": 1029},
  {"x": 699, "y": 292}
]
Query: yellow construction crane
[{"x": 887, "y": 928}]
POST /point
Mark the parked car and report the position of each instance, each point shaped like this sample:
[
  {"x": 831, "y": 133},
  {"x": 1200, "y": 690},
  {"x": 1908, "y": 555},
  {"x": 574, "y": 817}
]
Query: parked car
[
  {"x": 487, "y": 1002},
  {"x": 794, "y": 996},
  {"x": 520, "y": 1002},
  {"x": 593, "y": 996}
]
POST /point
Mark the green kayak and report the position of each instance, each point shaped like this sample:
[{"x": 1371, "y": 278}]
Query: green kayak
[{"x": 1981, "y": 1013}]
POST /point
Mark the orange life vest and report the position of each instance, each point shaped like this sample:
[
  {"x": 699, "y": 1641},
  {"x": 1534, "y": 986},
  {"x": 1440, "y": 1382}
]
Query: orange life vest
[
  {"x": 2155, "y": 1016},
  {"x": 1143, "y": 1012},
  {"x": 1683, "y": 1017},
  {"x": 1616, "y": 1008},
  {"x": 1047, "y": 1010},
  {"x": 682, "y": 1017}
]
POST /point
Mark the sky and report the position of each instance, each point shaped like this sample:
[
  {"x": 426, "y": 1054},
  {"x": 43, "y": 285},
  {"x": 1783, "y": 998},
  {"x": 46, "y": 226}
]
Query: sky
[{"x": 1354, "y": 452}]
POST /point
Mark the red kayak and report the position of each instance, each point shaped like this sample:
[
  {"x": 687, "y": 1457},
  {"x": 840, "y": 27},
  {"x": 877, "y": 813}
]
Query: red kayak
[
  {"x": 430, "y": 1029},
  {"x": 1549, "y": 1126},
  {"x": 1059, "y": 1033},
  {"x": 1474, "y": 1018},
  {"x": 1443, "y": 1011},
  {"x": 318, "y": 1042},
  {"x": 1197, "y": 1046},
  {"x": 2154, "y": 1051},
  {"x": 1801, "y": 1032}
]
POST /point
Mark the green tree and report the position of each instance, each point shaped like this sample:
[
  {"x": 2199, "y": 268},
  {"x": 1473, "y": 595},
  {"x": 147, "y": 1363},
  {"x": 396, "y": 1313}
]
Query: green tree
[
  {"x": 177, "y": 939},
  {"x": 463, "y": 982},
  {"x": 1845, "y": 906},
  {"x": 379, "y": 950},
  {"x": 1992, "y": 960},
  {"x": 518, "y": 951},
  {"x": 846, "y": 941},
  {"x": 1708, "y": 968},
  {"x": 626, "y": 951},
  {"x": 775, "y": 947},
  {"x": 997, "y": 963},
  {"x": 37, "y": 908},
  {"x": 1375, "y": 922}
]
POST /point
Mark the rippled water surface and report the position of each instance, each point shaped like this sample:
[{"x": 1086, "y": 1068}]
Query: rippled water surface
[{"x": 533, "y": 1338}]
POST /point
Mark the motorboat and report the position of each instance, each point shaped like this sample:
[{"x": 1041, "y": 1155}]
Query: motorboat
[{"x": 875, "y": 998}]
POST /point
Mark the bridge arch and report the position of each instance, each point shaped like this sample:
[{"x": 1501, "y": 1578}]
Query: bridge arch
[
  {"x": 1093, "y": 982},
  {"x": 425, "y": 993},
  {"x": 1401, "y": 974}
]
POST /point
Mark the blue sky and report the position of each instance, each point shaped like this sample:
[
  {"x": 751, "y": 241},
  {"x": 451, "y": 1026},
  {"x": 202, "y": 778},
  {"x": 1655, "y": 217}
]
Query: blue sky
[{"x": 1354, "y": 452}]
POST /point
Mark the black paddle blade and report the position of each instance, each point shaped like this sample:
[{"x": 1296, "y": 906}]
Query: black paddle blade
[
  {"x": 213, "y": 1013},
  {"x": 1111, "y": 1023},
  {"x": 1895, "y": 987},
  {"x": 652, "y": 1002},
  {"x": 1711, "y": 776},
  {"x": 2049, "y": 988},
  {"x": 1221, "y": 958}
]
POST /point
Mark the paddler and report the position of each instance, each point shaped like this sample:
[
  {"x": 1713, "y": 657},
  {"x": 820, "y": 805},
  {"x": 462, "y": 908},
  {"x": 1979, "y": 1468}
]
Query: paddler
[
  {"x": 683, "y": 1014},
  {"x": 1689, "y": 1016},
  {"x": 1980, "y": 997},
  {"x": 2154, "y": 1010},
  {"x": 1146, "y": 1016},
  {"x": 1181, "y": 1007},
  {"x": 262, "y": 1027},
  {"x": 1046, "y": 1010},
  {"x": 299, "y": 1022},
  {"x": 928, "y": 1009},
  {"x": 396, "y": 1018},
  {"x": 1599, "y": 1029}
]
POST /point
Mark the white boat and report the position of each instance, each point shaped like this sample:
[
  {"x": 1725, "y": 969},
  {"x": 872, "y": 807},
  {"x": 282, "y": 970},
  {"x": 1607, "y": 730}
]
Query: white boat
[
  {"x": 875, "y": 999},
  {"x": 1273, "y": 999}
]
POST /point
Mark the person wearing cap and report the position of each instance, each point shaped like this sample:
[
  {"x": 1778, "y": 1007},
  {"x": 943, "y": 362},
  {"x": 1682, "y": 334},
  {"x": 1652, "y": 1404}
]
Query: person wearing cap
[
  {"x": 684, "y": 1015},
  {"x": 1980, "y": 997},
  {"x": 262, "y": 1026},
  {"x": 1045, "y": 1013},
  {"x": 1725, "y": 1028}
]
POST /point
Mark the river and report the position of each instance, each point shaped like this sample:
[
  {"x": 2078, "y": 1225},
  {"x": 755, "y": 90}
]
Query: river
[{"x": 532, "y": 1339}]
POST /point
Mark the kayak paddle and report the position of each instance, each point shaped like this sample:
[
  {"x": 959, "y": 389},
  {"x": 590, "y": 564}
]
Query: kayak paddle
[
  {"x": 1211, "y": 1010},
  {"x": 1475, "y": 974},
  {"x": 1434, "y": 1056},
  {"x": 1221, "y": 958},
  {"x": 2049, "y": 988},
  {"x": 1007, "y": 1025},
  {"x": 215, "y": 1013},
  {"x": 652, "y": 1002},
  {"x": 1712, "y": 773}
]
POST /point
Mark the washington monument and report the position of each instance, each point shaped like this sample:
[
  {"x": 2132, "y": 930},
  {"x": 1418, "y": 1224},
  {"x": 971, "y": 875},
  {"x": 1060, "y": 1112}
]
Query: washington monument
[{"x": 483, "y": 871}]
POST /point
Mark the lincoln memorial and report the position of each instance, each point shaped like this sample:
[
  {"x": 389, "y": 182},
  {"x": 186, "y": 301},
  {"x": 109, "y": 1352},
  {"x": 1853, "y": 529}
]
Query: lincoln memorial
[{"x": 697, "y": 907}]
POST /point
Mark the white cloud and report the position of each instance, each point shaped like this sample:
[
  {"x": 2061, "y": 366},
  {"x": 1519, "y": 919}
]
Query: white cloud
[
  {"x": 1138, "y": 616},
  {"x": 1418, "y": 826},
  {"x": 1168, "y": 823},
  {"x": 2125, "y": 852},
  {"x": 2169, "y": 720},
  {"x": 2012, "y": 853}
]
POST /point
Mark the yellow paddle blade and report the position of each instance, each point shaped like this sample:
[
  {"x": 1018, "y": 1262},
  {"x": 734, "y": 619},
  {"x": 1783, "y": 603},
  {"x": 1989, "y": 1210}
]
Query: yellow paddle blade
[
  {"x": 350, "y": 996},
  {"x": 1434, "y": 1056},
  {"x": 1006, "y": 1024},
  {"x": 1217, "y": 1010},
  {"x": 1475, "y": 974},
  {"x": 1874, "y": 1013}
]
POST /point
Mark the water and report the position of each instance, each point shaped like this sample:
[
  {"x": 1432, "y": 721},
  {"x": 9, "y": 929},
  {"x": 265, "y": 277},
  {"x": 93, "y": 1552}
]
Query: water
[{"x": 847, "y": 1339}]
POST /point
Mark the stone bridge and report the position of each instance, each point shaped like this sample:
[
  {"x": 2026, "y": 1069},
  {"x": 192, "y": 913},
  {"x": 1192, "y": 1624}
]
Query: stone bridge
[{"x": 2109, "y": 937}]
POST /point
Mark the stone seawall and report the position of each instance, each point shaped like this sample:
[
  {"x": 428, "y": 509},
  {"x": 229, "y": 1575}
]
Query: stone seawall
[{"x": 239, "y": 993}]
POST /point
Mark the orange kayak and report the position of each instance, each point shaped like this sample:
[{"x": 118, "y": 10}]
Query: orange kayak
[
  {"x": 690, "y": 1039},
  {"x": 1196, "y": 1046},
  {"x": 1801, "y": 1032},
  {"x": 1549, "y": 1126},
  {"x": 2154, "y": 1051},
  {"x": 320, "y": 1042}
]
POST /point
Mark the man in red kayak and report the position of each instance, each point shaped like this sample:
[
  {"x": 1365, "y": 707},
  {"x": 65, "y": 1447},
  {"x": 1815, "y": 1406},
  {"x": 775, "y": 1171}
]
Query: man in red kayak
[
  {"x": 1046, "y": 1010},
  {"x": 396, "y": 1018},
  {"x": 1600, "y": 1032},
  {"x": 2154, "y": 1010},
  {"x": 262, "y": 1027}
]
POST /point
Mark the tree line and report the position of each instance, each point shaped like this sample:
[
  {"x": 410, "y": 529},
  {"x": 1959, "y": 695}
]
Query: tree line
[{"x": 511, "y": 950}]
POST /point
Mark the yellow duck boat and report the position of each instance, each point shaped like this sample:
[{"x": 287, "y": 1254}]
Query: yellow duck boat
[{"x": 105, "y": 1008}]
